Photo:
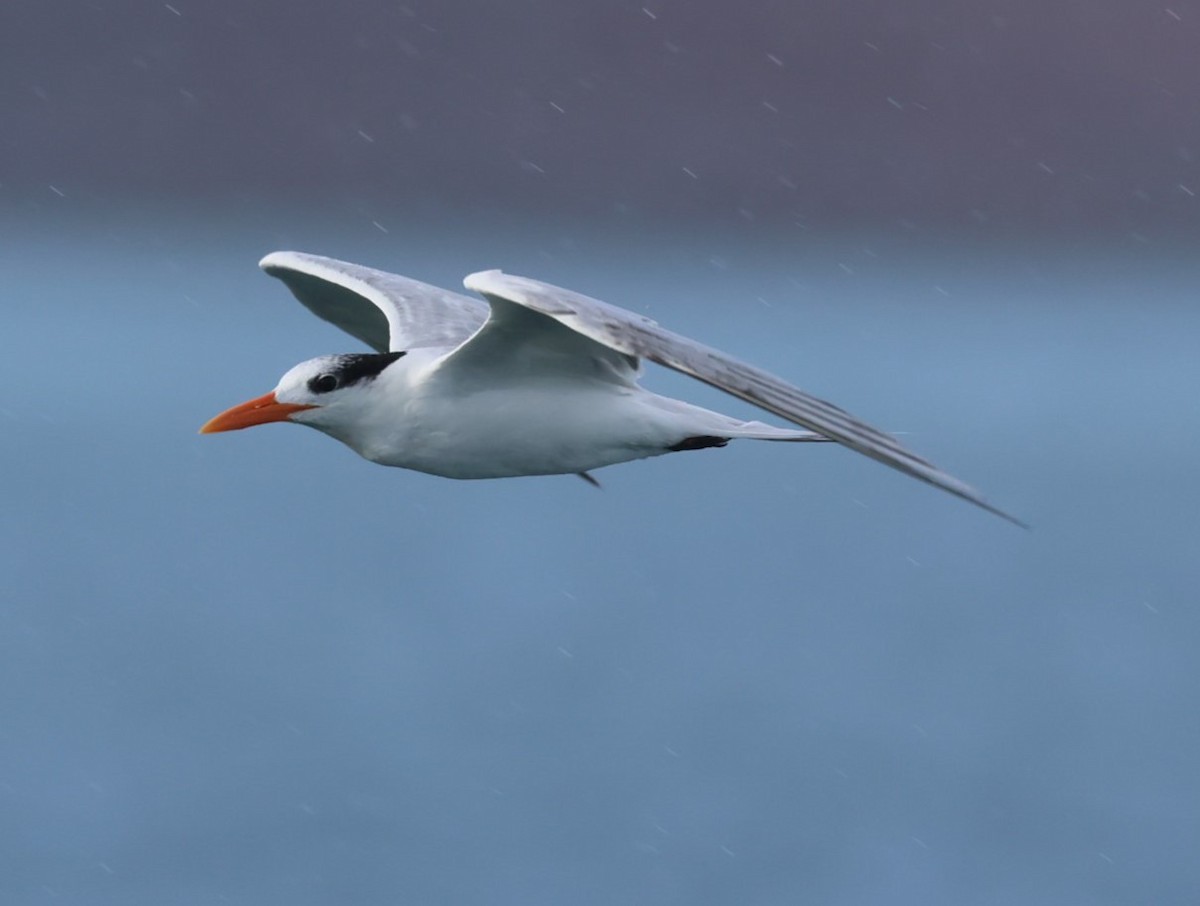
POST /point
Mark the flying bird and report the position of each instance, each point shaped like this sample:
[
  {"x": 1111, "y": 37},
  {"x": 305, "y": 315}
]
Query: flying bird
[{"x": 539, "y": 380}]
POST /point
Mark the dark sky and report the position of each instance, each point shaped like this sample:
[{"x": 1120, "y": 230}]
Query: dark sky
[{"x": 1018, "y": 115}]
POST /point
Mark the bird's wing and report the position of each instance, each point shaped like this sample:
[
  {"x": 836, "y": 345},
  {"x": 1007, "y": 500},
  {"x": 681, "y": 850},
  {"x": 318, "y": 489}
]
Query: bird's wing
[
  {"x": 520, "y": 341},
  {"x": 635, "y": 335},
  {"x": 386, "y": 311}
]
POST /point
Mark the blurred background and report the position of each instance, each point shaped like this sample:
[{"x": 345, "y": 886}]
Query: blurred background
[{"x": 253, "y": 668}]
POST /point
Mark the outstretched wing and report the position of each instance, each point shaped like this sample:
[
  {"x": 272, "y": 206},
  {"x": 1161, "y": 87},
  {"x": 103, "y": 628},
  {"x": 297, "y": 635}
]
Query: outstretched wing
[
  {"x": 388, "y": 312},
  {"x": 635, "y": 335}
]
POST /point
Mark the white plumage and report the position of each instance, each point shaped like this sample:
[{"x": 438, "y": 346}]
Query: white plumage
[{"x": 540, "y": 380}]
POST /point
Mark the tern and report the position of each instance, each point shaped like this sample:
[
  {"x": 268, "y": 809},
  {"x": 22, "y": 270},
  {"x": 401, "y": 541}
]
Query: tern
[{"x": 539, "y": 380}]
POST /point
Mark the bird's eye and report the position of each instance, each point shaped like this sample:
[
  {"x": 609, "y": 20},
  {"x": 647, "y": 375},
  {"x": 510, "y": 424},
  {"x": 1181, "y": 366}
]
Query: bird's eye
[{"x": 323, "y": 383}]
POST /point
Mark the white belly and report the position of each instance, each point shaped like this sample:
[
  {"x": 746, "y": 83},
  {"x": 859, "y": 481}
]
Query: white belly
[{"x": 510, "y": 432}]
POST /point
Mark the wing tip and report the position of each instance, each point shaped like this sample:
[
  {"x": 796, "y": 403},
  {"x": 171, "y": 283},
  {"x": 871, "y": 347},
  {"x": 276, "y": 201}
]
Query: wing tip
[
  {"x": 970, "y": 495},
  {"x": 944, "y": 481},
  {"x": 479, "y": 281},
  {"x": 1007, "y": 517},
  {"x": 305, "y": 262},
  {"x": 282, "y": 261}
]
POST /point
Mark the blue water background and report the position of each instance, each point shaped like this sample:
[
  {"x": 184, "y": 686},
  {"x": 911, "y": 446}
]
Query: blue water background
[{"x": 252, "y": 668}]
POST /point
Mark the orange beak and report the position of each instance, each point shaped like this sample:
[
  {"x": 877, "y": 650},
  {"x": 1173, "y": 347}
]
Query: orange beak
[{"x": 257, "y": 411}]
